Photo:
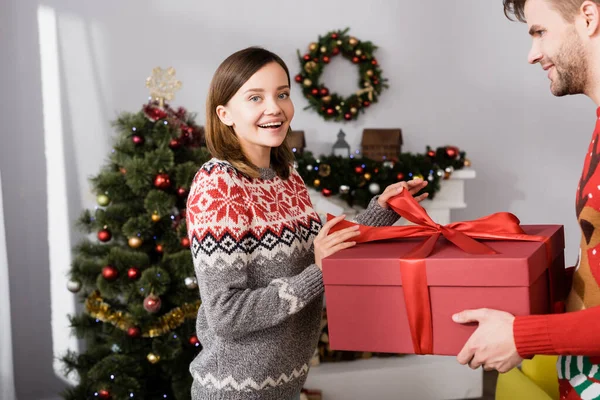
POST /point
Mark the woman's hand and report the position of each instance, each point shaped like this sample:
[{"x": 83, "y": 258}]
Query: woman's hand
[
  {"x": 414, "y": 186},
  {"x": 326, "y": 244}
]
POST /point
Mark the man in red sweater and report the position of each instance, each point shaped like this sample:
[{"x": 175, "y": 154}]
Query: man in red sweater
[{"x": 566, "y": 44}]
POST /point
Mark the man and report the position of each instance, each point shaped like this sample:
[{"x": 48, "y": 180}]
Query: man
[{"x": 566, "y": 44}]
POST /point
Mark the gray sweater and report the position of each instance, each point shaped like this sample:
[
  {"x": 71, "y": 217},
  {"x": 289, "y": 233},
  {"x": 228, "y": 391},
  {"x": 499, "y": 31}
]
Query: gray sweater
[{"x": 262, "y": 293}]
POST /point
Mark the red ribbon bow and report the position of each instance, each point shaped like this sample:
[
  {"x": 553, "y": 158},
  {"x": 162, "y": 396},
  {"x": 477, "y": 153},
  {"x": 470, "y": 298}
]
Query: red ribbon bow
[{"x": 498, "y": 226}]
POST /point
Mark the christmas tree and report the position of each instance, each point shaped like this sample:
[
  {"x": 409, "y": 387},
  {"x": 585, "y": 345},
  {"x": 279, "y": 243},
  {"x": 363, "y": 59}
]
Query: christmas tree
[{"x": 134, "y": 272}]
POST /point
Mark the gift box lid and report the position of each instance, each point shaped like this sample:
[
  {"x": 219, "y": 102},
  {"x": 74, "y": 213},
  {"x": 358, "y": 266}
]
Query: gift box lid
[{"x": 516, "y": 264}]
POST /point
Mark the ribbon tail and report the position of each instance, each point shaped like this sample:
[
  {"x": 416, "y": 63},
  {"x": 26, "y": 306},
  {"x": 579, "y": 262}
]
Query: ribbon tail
[{"x": 416, "y": 296}]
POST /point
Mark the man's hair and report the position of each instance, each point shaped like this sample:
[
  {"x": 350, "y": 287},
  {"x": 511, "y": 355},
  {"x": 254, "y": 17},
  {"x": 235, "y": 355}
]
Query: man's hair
[{"x": 567, "y": 8}]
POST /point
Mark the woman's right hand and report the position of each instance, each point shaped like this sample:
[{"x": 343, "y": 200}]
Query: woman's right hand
[{"x": 326, "y": 244}]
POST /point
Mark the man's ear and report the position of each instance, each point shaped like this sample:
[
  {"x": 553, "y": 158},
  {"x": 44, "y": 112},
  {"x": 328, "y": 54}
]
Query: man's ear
[
  {"x": 224, "y": 115},
  {"x": 591, "y": 14}
]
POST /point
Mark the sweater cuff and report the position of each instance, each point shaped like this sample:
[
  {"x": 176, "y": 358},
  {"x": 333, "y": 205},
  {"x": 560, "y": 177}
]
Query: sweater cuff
[
  {"x": 375, "y": 215},
  {"x": 312, "y": 283},
  {"x": 531, "y": 335}
]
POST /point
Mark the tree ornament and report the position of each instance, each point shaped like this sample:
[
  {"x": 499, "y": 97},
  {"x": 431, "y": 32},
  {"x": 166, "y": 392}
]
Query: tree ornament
[
  {"x": 374, "y": 188},
  {"x": 137, "y": 140},
  {"x": 74, "y": 285},
  {"x": 431, "y": 153},
  {"x": 110, "y": 273},
  {"x": 467, "y": 162},
  {"x": 133, "y": 273},
  {"x": 159, "y": 248},
  {"x": 344, "y": 189},
  {"x": 452, "y": 152},
  {"x": 134, "y": 332},
  {"x": 185, "y": 242},
  {"x": 358, "y": 169},
  {"x": 367, "y": 176},
  {"x": 326, "y": 192},
  {"x": 162, "y": 181},
  {"x": 104, "y": 235},
  {"x": 175, "y": 144},
  {"x": 152, "y": 304},
  {"x": 324, "y": 170},
  {"x": 360, "y": 53},
  {"x": 193, "y": 340},
  {"x": 134, "y": 242},
  {"x": 400, "y": 176},
  {"x": 313, "y": 46},
  {"x": 155, "y": 217},
  {"x": 191, "y": 282},
  {"x": 103, "y": 200},
  {"x": 104, "y": 394},
  {"x": 153, "y": 358},
  {"x": 316, "y": 182}
]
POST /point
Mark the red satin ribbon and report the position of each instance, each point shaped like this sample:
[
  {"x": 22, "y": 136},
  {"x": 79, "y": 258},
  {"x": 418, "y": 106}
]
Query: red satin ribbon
[{"x": 499, "y": 226}]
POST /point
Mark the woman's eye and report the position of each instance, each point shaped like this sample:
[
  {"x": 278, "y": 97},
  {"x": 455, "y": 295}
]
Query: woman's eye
[{"x": 284, "y": 96}]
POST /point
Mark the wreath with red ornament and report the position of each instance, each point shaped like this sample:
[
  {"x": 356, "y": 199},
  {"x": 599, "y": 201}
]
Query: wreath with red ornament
[{"x": 332, "y": 106}]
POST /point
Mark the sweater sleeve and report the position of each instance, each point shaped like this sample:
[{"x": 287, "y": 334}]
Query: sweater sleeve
[
  {"x": 573, "y": 333},
  {"x": 223, "y": 245},
  {"x": 375, "y": 215}
]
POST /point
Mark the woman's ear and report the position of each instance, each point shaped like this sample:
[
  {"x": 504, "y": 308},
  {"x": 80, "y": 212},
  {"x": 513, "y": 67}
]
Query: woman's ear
[{"x": 224, "y": 115}]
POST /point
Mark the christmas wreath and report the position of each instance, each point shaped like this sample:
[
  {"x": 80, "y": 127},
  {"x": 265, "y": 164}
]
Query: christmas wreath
[{"x": 332, "y": 106}]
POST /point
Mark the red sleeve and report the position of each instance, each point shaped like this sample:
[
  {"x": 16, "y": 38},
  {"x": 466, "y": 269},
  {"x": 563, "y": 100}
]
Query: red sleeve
[{"x": 574, "y": 333}]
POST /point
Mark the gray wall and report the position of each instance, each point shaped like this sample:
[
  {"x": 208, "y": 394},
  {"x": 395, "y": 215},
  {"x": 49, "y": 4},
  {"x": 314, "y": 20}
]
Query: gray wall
[{"x": 459, "y": 80}]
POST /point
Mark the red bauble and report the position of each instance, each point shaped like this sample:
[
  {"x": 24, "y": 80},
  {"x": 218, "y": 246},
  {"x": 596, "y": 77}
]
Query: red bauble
[
  {"x": 185, "y": 242},
  {"x": 104, "y": 235},
  {"x": 334, "y": 35},
  {"x": 306, "y": 57},
  {"x": 159, "y": 248},
  {"x": 348, "y": 116},
  {"x": 324, "y": 91},
  {"x": 314, "y": 91},
  {"x": 452, "y": 151},
  {"x": 358, "y": 169},
  {"x": 335, "y": 51},
  {"x": 162, "y": 181},
  {"x": 134, "y": 332},
  {"x": 110, "y": 273},
  {"x": 330, "y": 111},
  {"x": 152, "y": 304},
  {"x": 326, "y": 192},
  {"x": 194, "y": 340},
  {"x": 400, "y": 176},
  {"x": 174, "y": 144},
  {"x": 298, "y": 78},
  {"x": 137, "y": 140},
  {"x": 153, "y": 113},
  {"x": 103, "y": 394},
  {"x": 374, "y": 61},
  {"x": 133, "y": 273},
  {"x": 355, "y": 60},
  {"x": 180, "y": 112},
  {"x": 316, "y": 59},
  {"x": 375, "y": 82},
  {"x": 181, "y": 192},
  {"x": 431, "y": 153},
  {"x": 363, "y": 57},
  {"x": 366, "y": 103},
  {"x": 326, "y": 59}
]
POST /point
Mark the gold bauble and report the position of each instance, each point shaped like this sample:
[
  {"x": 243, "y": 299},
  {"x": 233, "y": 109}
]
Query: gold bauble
[
  {"x": 324, "y": 170},
  {"x": 358, "y": 52},
  {"x": 418, "y": 176},
  {"x": 353, "y": 41},
  {"x": 370, "y": 72},
  {"x": 307, "y": 82},
  {"x": 134, "y": 242},
  {"x": 313, "y": 46},
  {"x": 155, "y": 217},
  {"x": 338, "y": 108},
  {"x": 310, "y": 67},
  {"x": 367, "y": 176},
  {"x": 323, "y": 49},
  {"x": 326, "y": 99},
  {"x": 339, "y": 42},
  {"x": 317, "y": 182},
  {"x": 353, "y": 110},
  {"x": 103, "y": 200},
  {"x": 467, "y": 162},
  {"x": 153, "y": 358}
]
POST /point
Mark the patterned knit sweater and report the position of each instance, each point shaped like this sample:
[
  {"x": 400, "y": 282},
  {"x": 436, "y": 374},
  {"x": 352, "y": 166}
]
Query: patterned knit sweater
[
  {"x": 575, "y": 335},
  {"x": 262, "y": 293}
]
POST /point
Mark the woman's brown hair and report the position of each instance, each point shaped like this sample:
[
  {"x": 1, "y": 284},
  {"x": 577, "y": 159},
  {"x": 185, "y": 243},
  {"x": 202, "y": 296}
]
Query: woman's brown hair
[{"x": 221, "y": 139}]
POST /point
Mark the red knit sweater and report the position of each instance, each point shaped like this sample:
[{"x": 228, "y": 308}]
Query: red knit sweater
[{"x": 577, "y": 331}]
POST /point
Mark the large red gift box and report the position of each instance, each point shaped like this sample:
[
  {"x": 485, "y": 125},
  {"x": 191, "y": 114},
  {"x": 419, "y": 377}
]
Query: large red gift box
[{"x": 366, "y": 299}]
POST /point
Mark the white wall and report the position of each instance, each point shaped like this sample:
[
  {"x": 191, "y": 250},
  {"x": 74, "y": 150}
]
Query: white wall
[{"x": 457, "y": 70}]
